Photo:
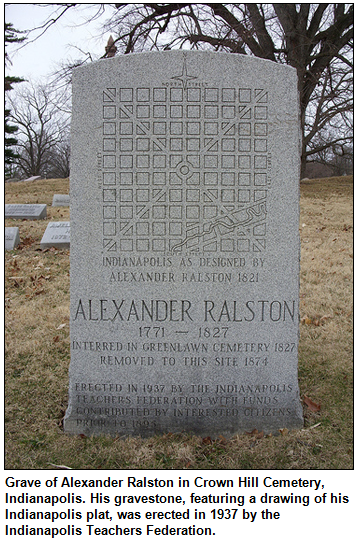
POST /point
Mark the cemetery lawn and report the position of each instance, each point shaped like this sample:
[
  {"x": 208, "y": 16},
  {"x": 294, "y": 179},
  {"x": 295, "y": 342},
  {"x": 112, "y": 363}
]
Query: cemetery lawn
[{"x": 38, "y": 354}]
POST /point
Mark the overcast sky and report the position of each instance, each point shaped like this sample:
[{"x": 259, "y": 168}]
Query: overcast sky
[{"x": 37, "y": 60}]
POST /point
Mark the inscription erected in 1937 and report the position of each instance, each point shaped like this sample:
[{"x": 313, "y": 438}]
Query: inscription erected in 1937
[{"x": 184, "y": 247}]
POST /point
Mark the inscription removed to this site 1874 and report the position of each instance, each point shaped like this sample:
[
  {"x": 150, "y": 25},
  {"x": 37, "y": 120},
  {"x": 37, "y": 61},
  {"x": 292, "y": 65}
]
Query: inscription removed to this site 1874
[{"x": 184, "y": 246}]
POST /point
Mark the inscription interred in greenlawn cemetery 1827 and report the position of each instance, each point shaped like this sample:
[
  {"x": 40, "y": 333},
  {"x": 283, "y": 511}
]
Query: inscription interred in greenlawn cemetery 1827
[{"x": 184, "y": 245}]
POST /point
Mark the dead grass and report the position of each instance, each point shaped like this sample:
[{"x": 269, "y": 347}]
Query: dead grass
[{"x": 37, "y": 354}]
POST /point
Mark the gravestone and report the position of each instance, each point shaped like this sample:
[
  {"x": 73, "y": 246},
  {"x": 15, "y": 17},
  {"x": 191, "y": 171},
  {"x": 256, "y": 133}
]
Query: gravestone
[
  {"x": 32, "y": 179},
  {"x": 57, "y": 234},
  {"x": 184, "y": 246},
  {"x": 25, "y": 211},
  {"x": 60, "y": 200},
  {"x": 12, "y": 237}
]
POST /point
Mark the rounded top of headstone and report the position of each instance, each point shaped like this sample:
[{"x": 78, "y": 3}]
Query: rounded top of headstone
[{"x": 213, "y": 58}]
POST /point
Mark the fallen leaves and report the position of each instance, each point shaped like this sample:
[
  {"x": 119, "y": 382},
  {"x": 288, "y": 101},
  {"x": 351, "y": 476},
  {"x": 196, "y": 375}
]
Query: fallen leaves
[
  {"x": 17, "y": 280},
  {"x": 316, "y": 321},
  {"x": 312, "y": 406},
  {"x": 37, "y": 278},
  {"x": 38, "y": 292},
  {"x": 37, "y": 285},
  {"x": 26, "y": 242},
  {"x": 207, "y": 441},
  {"x": 255, "y": 432},
  {"x": 222, "y": 440}
]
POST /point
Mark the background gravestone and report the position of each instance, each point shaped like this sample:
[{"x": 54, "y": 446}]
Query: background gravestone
[
  {"x": 25, "y": 211},
  {"x": 60, "y": 200},
  {"x": 12, "y": 237},
  {"x": 57, "y": 235},
  {"x": 184, "y": 245}
]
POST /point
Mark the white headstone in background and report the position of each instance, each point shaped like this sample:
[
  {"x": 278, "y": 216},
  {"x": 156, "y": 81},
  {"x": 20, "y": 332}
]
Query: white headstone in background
[
  {"x": 25, "y": 211},
  {"x": 57, "y": 234},
  {"x": 12, "y": 237},
  {"x": 184, "y": 246},
  {"x": 60, "y": 200}
]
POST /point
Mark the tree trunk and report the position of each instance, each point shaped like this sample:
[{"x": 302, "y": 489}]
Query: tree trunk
[{"x": 303, "y": 166}]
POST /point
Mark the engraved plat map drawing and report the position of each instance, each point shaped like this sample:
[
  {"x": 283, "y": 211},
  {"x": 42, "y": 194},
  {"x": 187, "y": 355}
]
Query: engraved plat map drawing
[{"x": 185, "y": 168}]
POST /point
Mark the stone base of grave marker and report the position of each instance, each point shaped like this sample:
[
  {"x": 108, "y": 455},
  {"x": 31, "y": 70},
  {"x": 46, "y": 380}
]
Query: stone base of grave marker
[{"x": 184, "y": 246}]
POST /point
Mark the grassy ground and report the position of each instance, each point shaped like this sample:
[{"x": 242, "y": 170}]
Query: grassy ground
[{"x": 37, "y": 354}]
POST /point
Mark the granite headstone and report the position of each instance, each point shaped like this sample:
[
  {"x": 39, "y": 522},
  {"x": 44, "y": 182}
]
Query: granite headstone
[
  {"x": 184, "y": 246},
  {"x": 57, "y": 234},
  {"x": 60, "y": 200},
  {"x": 12, "y": 237},
  {"x": 25, "y": 211}
]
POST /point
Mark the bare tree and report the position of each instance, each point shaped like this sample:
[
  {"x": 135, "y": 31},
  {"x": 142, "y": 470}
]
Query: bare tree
[
  {"x": 316, "y": 39},
  {"x": 42, "y": 127},
  {"x": 59, "y": 159},
  {"x": 329, "y": 115}
]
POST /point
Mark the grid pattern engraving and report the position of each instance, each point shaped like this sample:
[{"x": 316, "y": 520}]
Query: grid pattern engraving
[{"x": 184, "y": 169}]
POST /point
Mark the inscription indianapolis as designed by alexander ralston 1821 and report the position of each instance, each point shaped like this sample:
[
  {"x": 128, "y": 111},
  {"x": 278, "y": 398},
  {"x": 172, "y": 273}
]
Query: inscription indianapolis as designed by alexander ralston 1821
[{"x": 184, "y": 246}]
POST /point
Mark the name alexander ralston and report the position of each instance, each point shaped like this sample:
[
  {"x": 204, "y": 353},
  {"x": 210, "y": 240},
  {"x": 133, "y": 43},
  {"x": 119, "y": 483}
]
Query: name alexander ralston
[{"x": 183, "y": 310}]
